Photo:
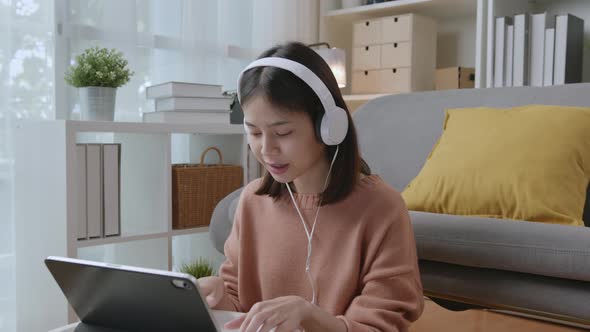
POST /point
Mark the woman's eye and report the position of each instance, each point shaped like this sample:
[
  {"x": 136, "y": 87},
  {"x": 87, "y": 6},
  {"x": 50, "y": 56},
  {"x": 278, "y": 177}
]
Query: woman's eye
[
  {"x": 284, "y": 134},
  {"x": 255, "y": 134}
]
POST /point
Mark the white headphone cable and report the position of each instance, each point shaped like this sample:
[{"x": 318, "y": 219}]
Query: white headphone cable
[{"x": 310, "y": 234}]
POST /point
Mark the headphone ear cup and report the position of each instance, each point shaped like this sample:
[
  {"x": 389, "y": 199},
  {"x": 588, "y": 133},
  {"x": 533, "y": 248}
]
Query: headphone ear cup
[
  {"x": 318, "y": 128},
  {"x": 334, "y": 126}
]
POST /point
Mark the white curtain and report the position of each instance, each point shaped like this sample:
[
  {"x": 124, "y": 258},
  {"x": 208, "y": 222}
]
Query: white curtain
[
  {"x": 26, "y": 91},
  {"x": 278, "y": 21},
  {"x": 180, "y": 40},
  {"x": 183, "y": 40}
]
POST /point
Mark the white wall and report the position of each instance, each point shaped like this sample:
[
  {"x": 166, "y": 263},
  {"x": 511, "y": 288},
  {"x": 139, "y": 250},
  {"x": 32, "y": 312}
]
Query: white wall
[{"x": 456, "y": 42}]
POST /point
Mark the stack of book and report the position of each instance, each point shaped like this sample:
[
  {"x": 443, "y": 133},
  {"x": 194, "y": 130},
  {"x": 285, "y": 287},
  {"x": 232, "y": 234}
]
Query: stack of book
[
  {"x": 188, "y": 103},
  {"x": 537, "y": 50}
]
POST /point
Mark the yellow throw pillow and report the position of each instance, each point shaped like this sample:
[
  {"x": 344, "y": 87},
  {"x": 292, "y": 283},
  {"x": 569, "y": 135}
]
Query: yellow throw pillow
[{"x": 527, "y": 163}]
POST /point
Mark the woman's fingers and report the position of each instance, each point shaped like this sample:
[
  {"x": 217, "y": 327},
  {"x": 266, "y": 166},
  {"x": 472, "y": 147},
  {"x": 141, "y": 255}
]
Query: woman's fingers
[
  {"x": 287, "y": 326},
  {"x": 271, "y": 322},
  {"x": 254, "y": 324},
  {"x": 211, "y": 301},
  {"x": 235, "y": 323},
  {"x": 209, "y": 287}
]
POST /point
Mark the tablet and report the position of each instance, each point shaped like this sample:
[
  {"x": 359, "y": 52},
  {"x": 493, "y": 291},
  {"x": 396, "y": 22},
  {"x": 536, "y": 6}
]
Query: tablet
[{"x": 117, "y": 298}]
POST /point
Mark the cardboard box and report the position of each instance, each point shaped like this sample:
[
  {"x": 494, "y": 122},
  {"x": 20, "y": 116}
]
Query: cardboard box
[{"x": 455, "y": 78}]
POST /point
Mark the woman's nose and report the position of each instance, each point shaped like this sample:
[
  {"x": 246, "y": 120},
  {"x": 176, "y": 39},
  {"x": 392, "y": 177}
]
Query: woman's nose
[{"x": 268, "y": 144}]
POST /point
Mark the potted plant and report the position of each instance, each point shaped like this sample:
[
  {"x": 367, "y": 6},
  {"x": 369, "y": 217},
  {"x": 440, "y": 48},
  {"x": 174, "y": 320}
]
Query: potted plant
[
  {"x": 199, "y": 268},
  {"x": 97, "y": 74}
]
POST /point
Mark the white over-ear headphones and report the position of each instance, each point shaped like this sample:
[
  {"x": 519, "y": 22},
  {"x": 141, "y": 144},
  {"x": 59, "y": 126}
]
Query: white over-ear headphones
[{"x": 334, "y": 123}]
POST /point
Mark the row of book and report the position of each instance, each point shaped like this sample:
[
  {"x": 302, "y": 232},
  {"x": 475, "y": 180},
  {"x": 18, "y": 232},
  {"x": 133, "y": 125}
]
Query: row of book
[
  {"x": 537, "y": 50},
  {"x": 98, "y": 175},
  {"x": 189, "y": 103}
]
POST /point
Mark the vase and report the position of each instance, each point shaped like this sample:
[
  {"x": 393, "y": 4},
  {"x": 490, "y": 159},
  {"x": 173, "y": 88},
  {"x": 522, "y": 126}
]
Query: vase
[{"x": 97, "y": 103}]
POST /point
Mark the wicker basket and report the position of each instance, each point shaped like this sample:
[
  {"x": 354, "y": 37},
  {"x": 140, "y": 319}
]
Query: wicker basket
[{"x": 197, "y": 188}]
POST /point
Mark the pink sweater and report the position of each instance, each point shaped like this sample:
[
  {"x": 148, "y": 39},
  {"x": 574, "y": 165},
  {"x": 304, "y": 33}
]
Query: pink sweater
[{"x": 363, "y": 261}]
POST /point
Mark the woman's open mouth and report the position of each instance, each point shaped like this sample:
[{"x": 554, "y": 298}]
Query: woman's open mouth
[{"x": 277, "y": 168}]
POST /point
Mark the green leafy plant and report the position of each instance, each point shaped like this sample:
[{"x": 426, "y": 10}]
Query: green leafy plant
[
  {"x": 198, "y": 269},
  {"x": 99, "y": 67}
]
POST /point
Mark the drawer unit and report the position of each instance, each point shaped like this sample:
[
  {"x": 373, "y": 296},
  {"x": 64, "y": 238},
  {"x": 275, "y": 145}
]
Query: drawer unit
[
  {"x": 398, "y": 54},
  {"x": 396, "y": 28},
  {"x": 365, "y": 81},
  {"x": 395, "y": 80},
  {"x": 366, "y": 32},
  {"x": 366, "y": 57},
  {"x": 395, "y": 54}
]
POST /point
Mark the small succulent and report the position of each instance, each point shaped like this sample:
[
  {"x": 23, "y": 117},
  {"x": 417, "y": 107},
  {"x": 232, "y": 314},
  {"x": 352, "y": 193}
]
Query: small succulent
[{"x": 198, "y": 269}]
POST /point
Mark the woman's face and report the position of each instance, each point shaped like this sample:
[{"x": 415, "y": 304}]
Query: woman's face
[{"x": 285, "y": 143}]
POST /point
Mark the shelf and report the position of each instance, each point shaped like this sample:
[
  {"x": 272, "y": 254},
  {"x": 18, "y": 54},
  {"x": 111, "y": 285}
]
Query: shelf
[
  {"x": 130, "y": 238},
  {"x": 195, "y": 230},
  {"x": 153, "y": 128},
  {"x": 434, "y": 8}
]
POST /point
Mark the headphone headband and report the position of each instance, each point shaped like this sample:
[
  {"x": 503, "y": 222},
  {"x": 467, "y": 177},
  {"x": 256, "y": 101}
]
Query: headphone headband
[
  {"x": 334, "y": 124},
  {"x": 299, "y": 70}
]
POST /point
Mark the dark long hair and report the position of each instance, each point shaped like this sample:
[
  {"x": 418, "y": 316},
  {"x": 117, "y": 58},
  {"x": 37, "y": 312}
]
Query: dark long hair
[{"x": 286, "y": 91}]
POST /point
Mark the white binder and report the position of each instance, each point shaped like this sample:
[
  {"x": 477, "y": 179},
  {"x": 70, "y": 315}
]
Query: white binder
[
  {"x": 520, "y": 67},
  {"x": 81, "y": 214},
  {"x": 500, "y": 50},
  {"x": 111, "y": 189},
  {"x": 508, "y": 55},
  {"x": 537, "y": 49},
  {"x": 569, "y": 49},
  {"x": 548, "y": 61},
  {"x": 94, "y": 190}
]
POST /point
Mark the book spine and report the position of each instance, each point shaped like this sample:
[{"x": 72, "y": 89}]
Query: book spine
[
  {"x": 508, "y": 58},
  {"x": 81, "y": 214},
  {"x": 94, "y": 190},
  {"x": 537, "y": 49},
  {"x": 112, "y": 189},
  {"x": 549, "y": 54},
  {"x": 520, "y": 65}
]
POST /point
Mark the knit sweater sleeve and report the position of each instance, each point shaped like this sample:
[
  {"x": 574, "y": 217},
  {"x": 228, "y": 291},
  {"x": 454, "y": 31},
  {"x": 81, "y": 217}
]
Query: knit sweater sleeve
[
  {"x": 229, "y": 269},
  {"x": 390, "y": 295}
]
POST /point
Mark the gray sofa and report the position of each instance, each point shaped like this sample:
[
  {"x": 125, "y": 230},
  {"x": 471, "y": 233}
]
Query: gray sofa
[{"x": 528, "y": 268}]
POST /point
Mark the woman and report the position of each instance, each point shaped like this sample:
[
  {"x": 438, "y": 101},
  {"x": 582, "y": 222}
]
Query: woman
[{"x": 318, "y": 243}]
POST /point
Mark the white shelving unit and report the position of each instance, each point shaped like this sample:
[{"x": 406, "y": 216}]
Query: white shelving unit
[
  {"x": 46, "y": 203},
  {"x": 464, "y": 35},
  {"x": 451, "y": 17}
]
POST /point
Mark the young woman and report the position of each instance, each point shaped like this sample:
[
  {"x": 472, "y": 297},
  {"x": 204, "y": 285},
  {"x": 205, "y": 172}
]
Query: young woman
[{"x": 318, "y": 243}]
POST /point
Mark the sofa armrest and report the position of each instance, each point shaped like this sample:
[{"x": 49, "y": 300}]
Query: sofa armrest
[
  {"x": 522, "y": 246},
  {"x": 222, "y": 219}
]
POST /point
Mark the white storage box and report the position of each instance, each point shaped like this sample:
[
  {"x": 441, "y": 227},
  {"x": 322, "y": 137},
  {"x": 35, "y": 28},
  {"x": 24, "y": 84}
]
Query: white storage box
[
  {"x": 366, "y": 32},
  {"x": 396, "y": 28},
  {"x": 397, "y": 54},
  {"x": 366, "y": 57},
  {"x": 395, "y": 80},
  {"x": 365, "y": 81}
]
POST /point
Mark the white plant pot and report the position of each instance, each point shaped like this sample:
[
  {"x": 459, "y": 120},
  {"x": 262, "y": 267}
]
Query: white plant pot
[{"x": 97, "y": 103}]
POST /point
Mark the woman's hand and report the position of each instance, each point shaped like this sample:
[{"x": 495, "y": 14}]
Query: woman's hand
[
  {"x": 286, "y": 313},
  {"x": 213, "y": 289}
]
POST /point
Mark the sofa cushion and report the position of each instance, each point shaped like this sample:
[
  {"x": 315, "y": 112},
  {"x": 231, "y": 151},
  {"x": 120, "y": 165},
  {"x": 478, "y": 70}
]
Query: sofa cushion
[
  {"x": 535, "y": 248},
  {"x": 526, "y": 163}
]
